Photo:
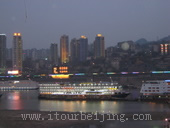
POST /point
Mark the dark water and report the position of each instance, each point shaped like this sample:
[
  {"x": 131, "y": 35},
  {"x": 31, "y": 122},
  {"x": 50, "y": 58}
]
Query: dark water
[{"x": 28, "y": 100}]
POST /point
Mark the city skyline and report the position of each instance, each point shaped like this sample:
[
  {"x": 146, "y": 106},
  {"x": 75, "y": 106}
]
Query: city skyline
[
  {"x": 89, "y": 42},
  {"x": 117, "y": 20}
]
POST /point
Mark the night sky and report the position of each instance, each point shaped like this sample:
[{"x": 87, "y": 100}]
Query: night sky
[{"x": 42, "y": 22}]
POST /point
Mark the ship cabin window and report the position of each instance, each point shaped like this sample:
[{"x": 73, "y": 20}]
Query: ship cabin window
[
  {"x": 149, "y": 90},
  {"x": 157, "y": 87}
]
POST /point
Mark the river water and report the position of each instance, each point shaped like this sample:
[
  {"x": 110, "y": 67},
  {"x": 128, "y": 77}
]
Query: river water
[{"x": 28, "y": 100}]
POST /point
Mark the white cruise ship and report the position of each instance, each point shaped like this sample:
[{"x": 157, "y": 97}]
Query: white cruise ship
[
  {"x": 18, "y": 85},
  {"x": 156, "y": 90},
  {"x": 82, "y": 91}
]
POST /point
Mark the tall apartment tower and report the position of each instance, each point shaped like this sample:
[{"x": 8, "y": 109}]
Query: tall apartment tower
[
  {"x": 2, "y": 51},
  {"x": 54, "y": 54},
  {"x": 74, "y": 50},
  {"x": 17, "y": 52},
  {"x": 99, "y": 46},
  {"x": 83, "y": 48},
  {"x": 64, "y": 49}
]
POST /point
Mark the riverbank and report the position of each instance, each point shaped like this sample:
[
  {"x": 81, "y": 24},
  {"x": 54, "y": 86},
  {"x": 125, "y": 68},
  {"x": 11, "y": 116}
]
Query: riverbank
[{"x": 45, "y": 119}]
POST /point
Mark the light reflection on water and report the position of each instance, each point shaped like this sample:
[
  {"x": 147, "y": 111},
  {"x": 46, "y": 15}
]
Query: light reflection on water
[
  {"x": 28, "y": 100},
  {"x": 102, "y": 106}
]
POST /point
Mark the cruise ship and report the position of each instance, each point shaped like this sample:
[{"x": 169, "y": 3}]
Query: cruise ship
[
  {"x": 18, "y": 85},
  {"x": 82, "y": 91},
  {"x": 156, "y": 90}
]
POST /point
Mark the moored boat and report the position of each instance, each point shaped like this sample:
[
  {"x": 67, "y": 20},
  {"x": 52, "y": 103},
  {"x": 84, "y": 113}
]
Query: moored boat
[
  {"x": 90, "y": 91},
  {"x": 19, "y": 85},
  {"x": 156, "y": 90}
]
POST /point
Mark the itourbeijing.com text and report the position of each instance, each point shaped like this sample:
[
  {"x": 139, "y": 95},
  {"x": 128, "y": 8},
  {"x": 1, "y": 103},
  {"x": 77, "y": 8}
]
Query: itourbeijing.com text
[{"x": 86, "y": 116}]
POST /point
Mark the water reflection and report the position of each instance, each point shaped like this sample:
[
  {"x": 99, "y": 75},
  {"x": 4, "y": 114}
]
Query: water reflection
[
  {"x": 28, "y": 100},
  {"x": 19, "y": 100},
  {"x": 14, "y": 101},
  {"x": 14, "y": 96},
  {"x": 101, "y": 106}
]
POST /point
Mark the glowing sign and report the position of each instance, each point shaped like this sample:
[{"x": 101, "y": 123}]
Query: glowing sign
[
  {"x": 13, "y": 72},
  {"x": 59, "y": 76},
  {"x": 80, "y": 74},
  {"x": 55, "y": 70},
  {"x": 124, "y": 72},
  {"x": 62, "y": 69},
  {"x": 135, "y": 72},
  {"x": 111, "y": 73},
  {"x": 166, "y": 71},
  {"x": 154, "y": 72}
]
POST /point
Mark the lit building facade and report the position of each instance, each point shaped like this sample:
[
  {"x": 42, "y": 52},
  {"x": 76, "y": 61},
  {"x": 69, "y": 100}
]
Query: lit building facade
[
  {"x": 99, "y": 46},
  {"x": 17, "y": 52},
  {"x": 165, "y": 49},
  {"x": 54, "y": 54},
  {"x": 64, "y": 49},
  {"x": 83, "y": 48},
  {"x": 2, "y": 51}
]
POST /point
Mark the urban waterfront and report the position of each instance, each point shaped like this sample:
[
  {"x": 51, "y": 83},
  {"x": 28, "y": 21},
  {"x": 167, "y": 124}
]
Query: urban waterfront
[
  {"x": 28, "y": 101},
  {"x": 106, "y": 64}
]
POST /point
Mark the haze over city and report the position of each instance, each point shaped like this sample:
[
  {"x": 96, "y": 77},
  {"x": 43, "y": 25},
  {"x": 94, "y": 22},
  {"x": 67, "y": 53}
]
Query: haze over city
[{"x": 43, "y": 22}]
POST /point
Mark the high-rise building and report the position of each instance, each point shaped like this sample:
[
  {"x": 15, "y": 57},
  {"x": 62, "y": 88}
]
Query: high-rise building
[
  {"x": 74, "y": 50},
  {"x": 34, "y": 54},
  {"x": 165, "y": 49},
  {"x": 54, "y": 54},
  {"x": 91, "y": 50},
  {"x": 9, "y": 54},
  {"x": 83, "y": 48},
  {"x": 2, "y": 51},
  {"x": 99, "y": 46},
  {"x": 17, "y": 52},
  {"x": 64, "y": 49}
]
